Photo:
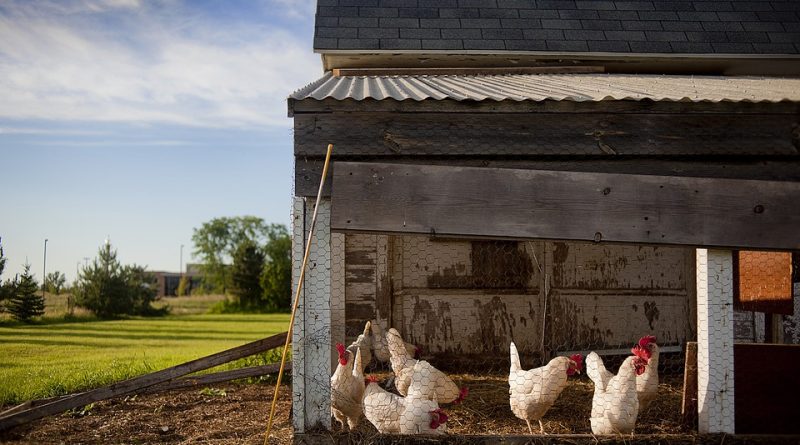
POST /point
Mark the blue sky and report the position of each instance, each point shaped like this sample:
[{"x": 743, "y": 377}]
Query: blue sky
[{"x": 139, "y": 120}]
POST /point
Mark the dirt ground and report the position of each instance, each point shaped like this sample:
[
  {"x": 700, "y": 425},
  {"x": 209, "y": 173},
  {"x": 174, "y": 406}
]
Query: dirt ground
[
  {"x": 237, "y": 414},
  {"x": 222, "y": 414}
]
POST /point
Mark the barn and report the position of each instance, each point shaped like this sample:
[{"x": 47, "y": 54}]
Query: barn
[{"x": 565, "y": 175}]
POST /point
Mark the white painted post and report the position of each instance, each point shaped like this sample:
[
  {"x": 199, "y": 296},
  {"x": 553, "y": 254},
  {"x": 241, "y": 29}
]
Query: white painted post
[
  {"x": 715, "y": 390},
  {"x": 311, "y": 337}
]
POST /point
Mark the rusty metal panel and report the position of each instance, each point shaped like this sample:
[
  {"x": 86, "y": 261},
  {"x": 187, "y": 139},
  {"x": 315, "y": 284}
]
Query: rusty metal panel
[{"x": 763, "y": 281}]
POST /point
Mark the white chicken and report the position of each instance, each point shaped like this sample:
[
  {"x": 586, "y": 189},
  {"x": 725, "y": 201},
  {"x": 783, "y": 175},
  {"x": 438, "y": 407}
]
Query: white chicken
[
  {"x": 380, "y": 346},
  {"x": 382, "y": 408},
  {"x": 615, "y": 405},
  {"x": 413, "y": 414},
  {"x": 438, "y": 387},
  {"x": 647, "y": 382},
  {"x": 363, "y": 343},
  {"x": 347, "y": 388},
  {"x": 534, "y": 391}
]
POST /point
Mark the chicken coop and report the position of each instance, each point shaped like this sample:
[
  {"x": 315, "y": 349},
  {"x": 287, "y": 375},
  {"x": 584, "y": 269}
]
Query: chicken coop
[{"x": 506, "y": 188}]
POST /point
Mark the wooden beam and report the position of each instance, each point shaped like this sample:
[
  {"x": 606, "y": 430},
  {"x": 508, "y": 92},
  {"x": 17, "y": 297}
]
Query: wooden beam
[
  {"x": 545, "y": 134},
  {"x": 136, "y": 384},
  {"x": 584, "y": 69},
  {"x": 689, "y": 401},
  {"x": 308, "y": 171},
  {"x": 217, "y": 377},
  {"x": 331, "y": 105},
  {"x": 521, "y": 204}
]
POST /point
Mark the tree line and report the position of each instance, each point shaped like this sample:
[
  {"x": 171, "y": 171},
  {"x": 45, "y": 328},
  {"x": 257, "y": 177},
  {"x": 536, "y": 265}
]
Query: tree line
[
  {"x": 242, "y": 257},
  {"x": 248, "y": 259}
]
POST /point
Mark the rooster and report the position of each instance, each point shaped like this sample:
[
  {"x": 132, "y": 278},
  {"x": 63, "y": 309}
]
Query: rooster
[
  {"x": 647, "y": 382},
  {"x": 533, "y": 392},
  {"x": 393, "y": 414},
  {"x": 364, "y": 344},
  {"x": 380, "y": 346},
  {"x": 437, "y": 386},
  {"x": 347, "y": 388},
  {"x": 615, "y": 405}
]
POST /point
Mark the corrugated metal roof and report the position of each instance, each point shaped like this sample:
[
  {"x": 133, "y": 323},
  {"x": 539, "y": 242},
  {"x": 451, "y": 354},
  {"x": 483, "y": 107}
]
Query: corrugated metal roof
[{"x": 558, "y": 87}]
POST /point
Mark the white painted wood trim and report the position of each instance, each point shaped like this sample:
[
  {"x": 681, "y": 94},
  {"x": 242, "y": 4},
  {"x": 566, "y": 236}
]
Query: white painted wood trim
[
  {"x": 715, "y": 388},
  {"x": 311, "y": 337}
]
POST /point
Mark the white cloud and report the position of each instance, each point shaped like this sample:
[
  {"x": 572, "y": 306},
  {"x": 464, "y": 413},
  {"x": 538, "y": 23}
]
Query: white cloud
[{"x": 157, "y": 66}]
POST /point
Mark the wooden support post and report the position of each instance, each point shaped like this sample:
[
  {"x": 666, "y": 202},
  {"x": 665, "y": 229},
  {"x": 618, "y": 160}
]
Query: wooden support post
[
  {"x": 311, "y": 336},
  {"x": 715, "y": 384}
]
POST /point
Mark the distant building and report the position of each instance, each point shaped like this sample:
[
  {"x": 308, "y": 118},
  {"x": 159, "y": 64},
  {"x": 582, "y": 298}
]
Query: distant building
[{"x": 167, "y": 282}]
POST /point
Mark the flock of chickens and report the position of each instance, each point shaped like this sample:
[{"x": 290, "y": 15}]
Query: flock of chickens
[{"x": 423, "y": 389}]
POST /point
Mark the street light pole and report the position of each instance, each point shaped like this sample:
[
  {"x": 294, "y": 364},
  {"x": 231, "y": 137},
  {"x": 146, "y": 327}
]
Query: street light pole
[
  {"x": 44, "y": 269},
  {"x": 180, "y": 268}
]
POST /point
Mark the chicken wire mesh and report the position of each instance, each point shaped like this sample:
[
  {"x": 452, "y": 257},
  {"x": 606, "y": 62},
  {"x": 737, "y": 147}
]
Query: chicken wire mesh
[{"x": 471, "y": 336}]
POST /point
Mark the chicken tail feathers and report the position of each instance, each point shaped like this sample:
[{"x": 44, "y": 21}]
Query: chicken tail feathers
[
  {"x": 595, "y": 369},
  {"x": 357, "y": 370},
  {"x": 397, "y": 347},
  {"x": 515, "y": 364}
]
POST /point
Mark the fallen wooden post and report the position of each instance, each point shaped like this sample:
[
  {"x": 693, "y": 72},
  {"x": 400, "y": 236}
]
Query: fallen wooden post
[
  {"x": 217, "y": 377},
  {"x": 131, "y": 386}
]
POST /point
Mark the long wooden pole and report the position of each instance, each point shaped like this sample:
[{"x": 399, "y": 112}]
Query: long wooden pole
[{"x": 297, "y": 293}]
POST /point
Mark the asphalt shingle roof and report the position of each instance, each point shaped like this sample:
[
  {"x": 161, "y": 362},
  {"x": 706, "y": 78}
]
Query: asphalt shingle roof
[{"x": 653, "y": 26}]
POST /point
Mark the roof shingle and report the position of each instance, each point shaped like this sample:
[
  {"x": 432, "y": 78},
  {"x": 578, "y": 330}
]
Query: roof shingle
[{"x": 654, "y": 26}]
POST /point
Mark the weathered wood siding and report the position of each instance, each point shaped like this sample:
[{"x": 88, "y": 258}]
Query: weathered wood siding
[{"x": 475, "y": 296}]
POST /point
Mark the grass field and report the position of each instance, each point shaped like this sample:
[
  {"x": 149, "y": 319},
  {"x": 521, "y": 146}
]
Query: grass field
[{"x": 57, "y": 357}]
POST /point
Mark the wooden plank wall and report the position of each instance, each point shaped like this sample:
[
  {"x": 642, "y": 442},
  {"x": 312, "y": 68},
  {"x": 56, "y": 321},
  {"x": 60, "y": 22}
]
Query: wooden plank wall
[
  {"x": 436, "y": 301},
  {"x": 544, "y": 134},
  {"x": 646, "y": 209}
]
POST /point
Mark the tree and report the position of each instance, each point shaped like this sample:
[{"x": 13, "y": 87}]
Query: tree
[
  {"x": 54, "y": 283},
  {"x": 108, "y": 288},
  {"x": 26, "y": 302},
  {"x": 216, "y": 241},
  {"x": 4, "y": 287},
  {"x": 276, "y": 279},
  {"x": 248, "y": 263}
]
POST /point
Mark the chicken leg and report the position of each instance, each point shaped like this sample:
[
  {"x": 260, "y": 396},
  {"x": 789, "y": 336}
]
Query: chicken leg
[
  {"x": 541, "y": 428},
  {"x": 530, "y": 430}
]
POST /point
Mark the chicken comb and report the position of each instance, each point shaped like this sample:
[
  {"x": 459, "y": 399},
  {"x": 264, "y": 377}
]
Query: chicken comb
[
  {"x": 372, "y": 379},
  {"x": 646, "y": 340},
  {"x": 641, "y": 352},
  {"x": 578, "y": 359},
  {"x": 340, "y": 348}
]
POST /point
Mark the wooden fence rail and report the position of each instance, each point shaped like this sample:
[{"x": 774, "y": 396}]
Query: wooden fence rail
[{"x": 24, "y": 415}]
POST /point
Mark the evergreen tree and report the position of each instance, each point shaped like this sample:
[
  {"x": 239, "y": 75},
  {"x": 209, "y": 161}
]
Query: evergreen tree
[
  {"x": 26, "y": 302},
  {"x": 108, "y": 288},
  {"x": 4, "y": 287},
  {"x": 248, "y": 263}
]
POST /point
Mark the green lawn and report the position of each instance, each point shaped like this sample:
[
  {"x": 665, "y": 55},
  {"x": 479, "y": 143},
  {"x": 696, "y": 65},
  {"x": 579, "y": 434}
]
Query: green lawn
[{"x": 57, "y": 358}]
